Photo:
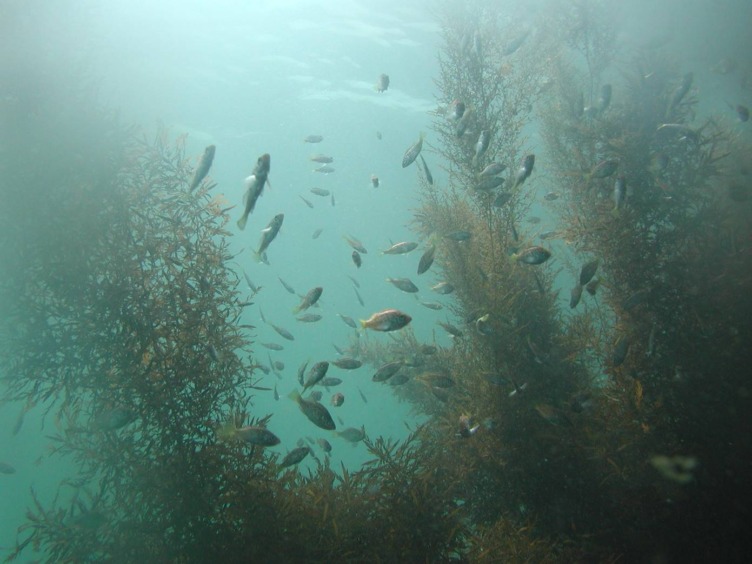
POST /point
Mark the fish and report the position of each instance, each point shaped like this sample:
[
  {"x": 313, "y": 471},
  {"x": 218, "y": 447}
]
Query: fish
[
  {"x": 451, "y": 329},
  {"x": 525, "y": 170},
  {"x": 324, "y": 169},
  {"x": 432, "y": 305},
  {"x": 743, "y": 113},
  {"x": 287, "y": 287},
  {"x": 347, "y": 363},
  {"x": 387, "y": 320},
  {"x": 276, "y": 393},
  {"x": 307, "y": 202},
  {"x": 301, "y": 373},
  {"x": 386, "y": 371},
  {"x": 319, "y": 158},
  {"x": 605, "y": 168},
  {"x": 546, "y": 235},
  {"x": 295, "y": 456},
  {"x": 374, "y": 181},
  {"x": 357, "y": 261},
  {"x": 551, "y": 196},
  {"x": 330, "y": 381},
  {"x": 592, "y": 286},
  {"x": 502, "y": 199},
  {"x": 284, "y": 333},
  {"x": 112, "y": 419},
  {"x": 256, "y": 435},
  {"x": 399, "y": 379},
  {"x": 383, "y": 83},
  {"x": 316, "y": 234},
  {"x": 493, "y": 169},
  {"x": 482, "y": 144},
  {"x": 325, "y": 445},
  {"x": 511, "y": 46},
  {"x": 678, "y": 94},
  {"x": 332, "y": 199},
  {"x": 575, "y": 296},
  {"x": 459, "y": 236},
  {"x": 378, "y": 135},
  {"x": 320, "y": 192},
  {"x": 463, "y": 123},
  {"x": 314, "y": 411},
  {"x": 349, "y": 321},
  {"x": 278, "y": 365},
  {"x": 483, "y": 326},
  {"x": 316, "y": 396},
  {"x": 353, "y": 435},
  {"x": 587, "y": 271},
  {"x": 457, "y": 109},
  {"x": 355, "y": 244},
  {"x": 443, "y": 288},
  {"x": 360, "y": 298},
  {"x": 552, "y": 415},
  {"x": 362, "y": 396},
  {"x": 404, "y": 284},
  {"x": 255, "y": 289},
  {"x": 203, "y": 167},
  {"x": 651, "y": 341},
  {"x": 268, "y": 234},
  {"x": 621, "y": 348},
  {"x": 532, "y": 255},
  {"x": 676, "y": 468},
  {"x": 316, "y": 374},
  {"x": 412, "y": 152},
  {"x": 272, "y": 346},
  {"x": 313, "y": 139},
  {"x": 6, "y": 468},
  {"x": 488, "y": 183},
  {"x": 354, "y": 281},
  {"x": 426, "y": 260},
  {"x": 309, "y": 318},
  {"x": 400, "y": 248},
  {"x": 466, "y": 427},
  {"x": 337, "y": 399},
  {"x": 429, "y": 177},
  {"x": 254, "y": 185},
  {"x": 309, "y": 299}
]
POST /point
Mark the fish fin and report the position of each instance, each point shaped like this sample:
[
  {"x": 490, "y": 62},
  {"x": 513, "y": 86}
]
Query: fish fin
[{"x": 242, "y": 221}]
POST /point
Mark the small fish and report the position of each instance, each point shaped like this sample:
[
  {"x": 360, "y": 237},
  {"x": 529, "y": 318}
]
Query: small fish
[
  {"x": 412, "y": 153},
  {"x": 276, "y": 393},
  {"x": 483, "y": 326},
  {"x": 592, "y": 286},
  {"x": 386, "y": 371},
  {"x": 383, "y": 83},
  {"x": 324, "y": 169},
  {"x": 284, "y": 333},
  {"x": 605, "y": 98},
  {"x": 675, "y": 468},
  {"x": 482, "y": 144},
  {"x": 301, "y": 373},
  {"x": 488, "y": 183},
  {"x": 552, "y": 415},
  {"x": 387, "y": 320},
  {"x": 112, "y": 419},
  {"x": 319, "y": 158},
  {"x": 502, "y": 199},
  {"x": 427, "y": 259},
  {"x": 6, "y": 468},
  {"x": 400, "y": 248},
  {"x": 466, "y": 427},
  {"x": 330, "y": 381},
  {"x": 287, "y": 287},
  {"x": 268, "y": 234},
  {"x": 443, "y": 288},
  {"x": 307, "y": 202},
  {"x": 575, "y": 296},
  {"x": 313, "y": 139},
  {"x": 316, "y": 234},
  {"x": 457, "y": 110},
  {"x": 254, "y": 435},
  {"x": 463, "y": 123},
  {"x": 295, "y": 456},
  {"x": 347, "y": 363},
  {"x": 429, "y": 177},
  {"x": 354, "y": 281},
  {"x": 399, "y": 380},
  {"x": 378, "y": 135},
  {"x": 357, "y": 261},
  {"x": 316, "y": 374},
  {"x": 525, "y": 170},
  {"x": 362, "y": 396},
  {"x": 309, "y": 299},
  {"x": 255, "y": 289},
  {"x": 511, "y": 46},
  {"x": 551, "y": 196},
  {"x": 546, "y": 235},
  {"x": 316, "y": 396},
  {"x": 532, "y": 255},
  {"x": 515, "y": 235},
  {"x": 374, "y": 181},
  {"x": 605, "y": 168},
  {"x": 742, "y": 112},
  {"x": 272, "y": 346},
  {"x": 332, "y": 200},
  {"x": 309, "y": 318},
  {"x": 325, "y": 445},
  {"x": 432, "y": 305},
  {"x": 320, "y": 192},
  {"x": 254, "y": 185},
  {"x": 493, "y": 169},
  {"x": 678, "y": 95},
  {"x": 355, "y": 244},
  {"x": 360, "y": 298},
  {"x": 459, "y": 236},
  {"x": 353, "y": 435},
  {"x": 404, "y": 284},
  {"x": 451, "y": 329},
  {"x": 203, "y": 167},
  {"x": 348, "y": 320},
  {"x": 621, "y": 348},
  {"x": 587, "y": 271}
]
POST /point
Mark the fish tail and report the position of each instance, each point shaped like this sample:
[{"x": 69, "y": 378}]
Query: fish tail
[
  {"x": 257, "y": 256},
  {"x": 294, "y": 396},
  {"x": 242, "y": 221}
]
